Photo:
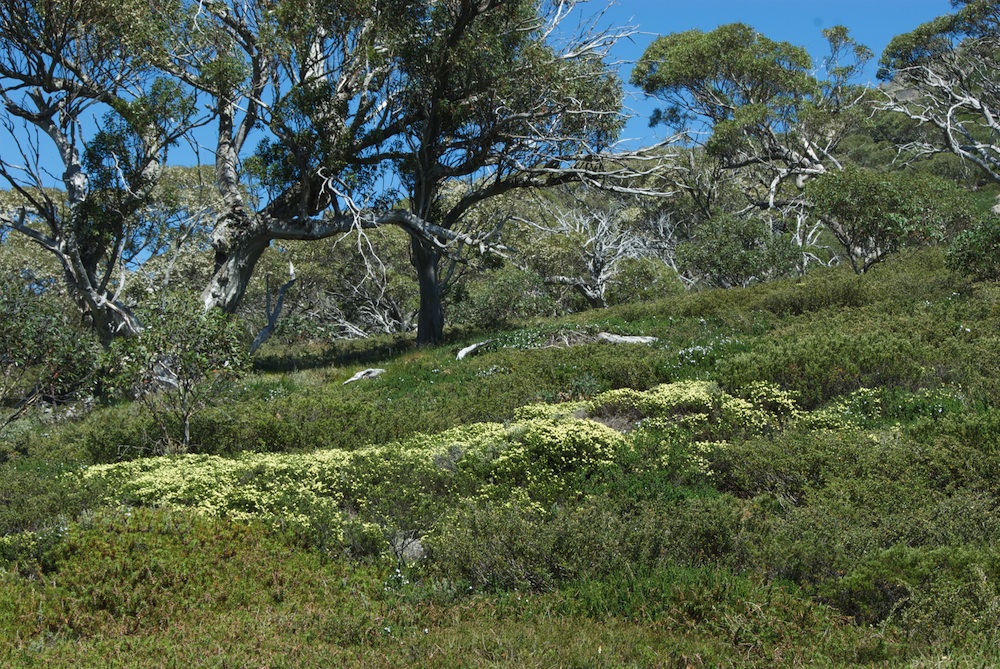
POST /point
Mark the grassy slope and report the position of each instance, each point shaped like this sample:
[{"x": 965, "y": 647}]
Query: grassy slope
[{"x": 872, "y": 543}]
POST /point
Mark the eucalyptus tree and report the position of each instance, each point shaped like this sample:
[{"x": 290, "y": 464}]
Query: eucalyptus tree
[
  {"x": 332, "y": 117},
  {"x": 943, "y": 74},
  {"x": 502, "y": 97},
  {"x": 88, "y": 125},
  {"x": 755, "y": 104},
  {"x": 299, "y": 104},
  {"x": 759, "y": 120},
  {"x": 587, "y": 239},
  {"x": 873, "y": 213}
]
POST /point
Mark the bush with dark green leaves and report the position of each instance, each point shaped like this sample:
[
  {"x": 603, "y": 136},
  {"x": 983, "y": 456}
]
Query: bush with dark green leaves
[
  {"x": 976, "y": 251},
  {"x": 500, "y": 297},
  {"x": 729, "y": 250},
  {"x": 181, "y": 361},
  {"x": 44, "y": 353},
  {"x": 874, "y": 214}
]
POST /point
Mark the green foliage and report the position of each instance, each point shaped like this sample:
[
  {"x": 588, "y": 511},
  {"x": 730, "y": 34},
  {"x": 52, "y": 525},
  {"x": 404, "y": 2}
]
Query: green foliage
[
  {"x": 402, "y": 489},
  {"x": 500, "y": 298},
  {"x": 891, "y": 523},
  {"x": 692, "y": 494},
  {"x": 354, "y": 286},
  {"x": 923, "y": 586},
  {"x": 43, "y": 501},
  {"x": 975, "y": 251},
  {"x": 931, "y": 40},
  {"x": 823, "y": 366},
  {"x": 252, "y": 595},
  {"x": 44, "y": 355},
  {"x": 944, "y": 66},
  {"x": 515, "y": 545},
  {"x": 730, "y": 68},
  {"x": 874, "y": 214},
  {"x": 756, "y": 106},
  {"x": 179, "y": 362},
  {"x": 728, "y": 251},
  {"x": 643, "y": 280},
  {"x": 495, "y": 546},
  {"x": 127, "y": 572}
]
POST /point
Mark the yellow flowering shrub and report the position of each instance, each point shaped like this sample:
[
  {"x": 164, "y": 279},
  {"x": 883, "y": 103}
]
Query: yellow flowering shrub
[
  {"x": 548, "y": 457},
  {"x": 699, "y": 406},
  {"x": 850, "y": 411},
  {"x": 780, "y": 404},
  {"x": 670, "y": 398},
  {"x": 404, "y": 488},
  {"x": 571, "y": 445},
  {"x": 551, "y": 411}
]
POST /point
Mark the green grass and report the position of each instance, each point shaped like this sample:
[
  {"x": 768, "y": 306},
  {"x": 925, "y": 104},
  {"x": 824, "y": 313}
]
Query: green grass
[{"x": 859, "y": 529}]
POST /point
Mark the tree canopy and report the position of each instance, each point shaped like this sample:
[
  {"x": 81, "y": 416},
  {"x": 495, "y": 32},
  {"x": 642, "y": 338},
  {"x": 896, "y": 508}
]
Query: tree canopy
[
  {"x": 754, "y": 102},
  {"x": 943, "y": 74},
  {"x": 308, "y": 121},
  {"x": 61, "y": 62}
]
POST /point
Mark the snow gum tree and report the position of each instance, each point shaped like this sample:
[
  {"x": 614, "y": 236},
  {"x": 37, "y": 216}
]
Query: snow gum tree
[
  {"x": 754, "y": 103},
  {"x": 62, "y": 66},
  {"x": 499, "y": 103},
  {"x": 322, "y": 118},
  {"x": 333, "y": 117},
  {"x": 943, "y": 75}
]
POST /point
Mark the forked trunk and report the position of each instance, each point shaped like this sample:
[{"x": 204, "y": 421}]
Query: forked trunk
[{"x": 234, "y": 266}]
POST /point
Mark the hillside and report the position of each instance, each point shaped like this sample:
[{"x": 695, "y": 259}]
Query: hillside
[{"x": 801, "y": 472}]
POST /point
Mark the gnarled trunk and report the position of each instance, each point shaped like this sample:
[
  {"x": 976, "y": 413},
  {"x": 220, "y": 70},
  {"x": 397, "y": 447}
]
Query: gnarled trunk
[{"x": 235, "y": 260}]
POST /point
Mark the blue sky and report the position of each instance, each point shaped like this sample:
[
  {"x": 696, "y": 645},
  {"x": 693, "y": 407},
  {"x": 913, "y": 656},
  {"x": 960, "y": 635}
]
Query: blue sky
[{"x": 872, "y": 22}]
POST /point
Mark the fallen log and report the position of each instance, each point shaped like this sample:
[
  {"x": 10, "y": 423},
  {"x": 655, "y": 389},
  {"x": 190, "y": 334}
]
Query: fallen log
[
  {"x": 609, "y": 338},
  {"x": 365, "y": 374},
  {"x": 469, "y": 350}
]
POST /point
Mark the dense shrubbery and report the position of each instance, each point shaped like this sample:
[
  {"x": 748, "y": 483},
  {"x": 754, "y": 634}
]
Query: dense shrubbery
[
  {"x": 976, "y": 251},
  {"x": 44, "y": 354},
  {"x": 729, "y": 251},
  {"x": 833, "y": 435},
  {"x": 181, "y": 361},
  {"x": 501, "y": 297},
  {"x": 874, "y": 213}
]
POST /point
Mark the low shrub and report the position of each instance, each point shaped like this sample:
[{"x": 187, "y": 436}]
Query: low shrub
[
  {"x": 182, "y": 360},
  {"x": 501, "y": 297},
  {"x": 36, "y": 495},
  {"x": 494, "y": 546},
  {"x": 975, "y": 251},
  {"x": 933, "y": 593},
  {"x": 820, "y": 367},
  {"x": 517, "y": 545},
  {"x": 45, "y": 355}
]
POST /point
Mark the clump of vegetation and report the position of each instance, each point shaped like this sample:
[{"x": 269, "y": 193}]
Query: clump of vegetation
[
  {"x": 181, "y": 360},
  {"x": 975, "y": 251},
  {"x": 45, "y": 357}
]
